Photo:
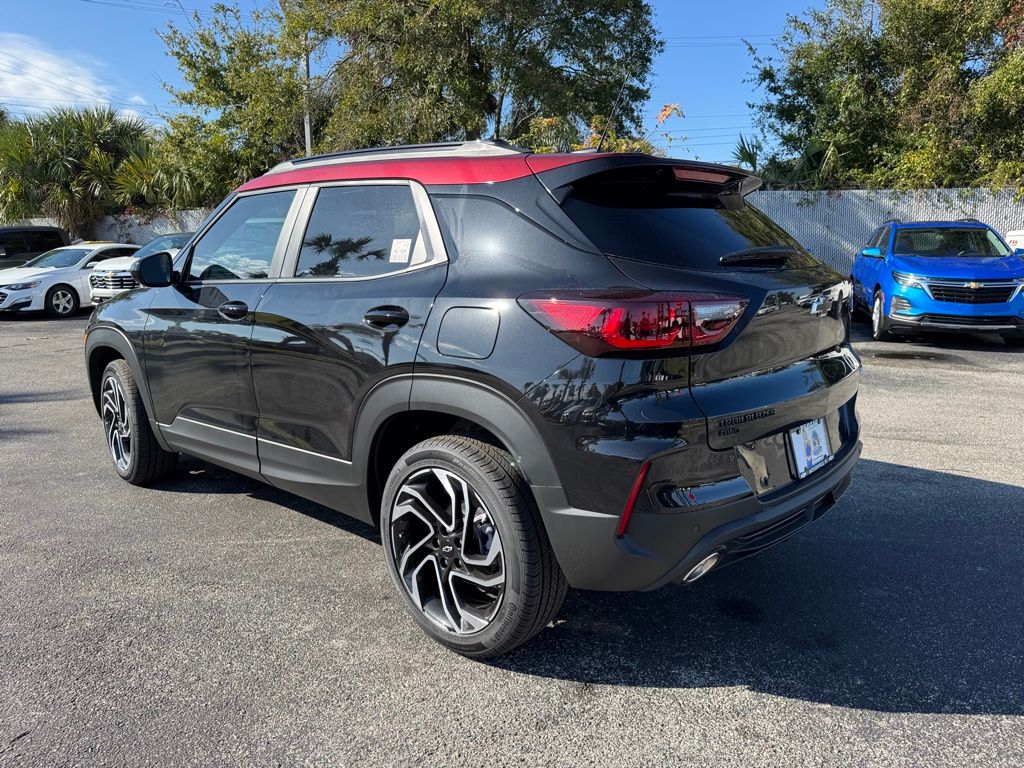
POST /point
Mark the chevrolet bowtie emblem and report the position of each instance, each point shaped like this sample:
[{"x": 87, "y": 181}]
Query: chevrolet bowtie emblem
[{"x": 972, "y": 285}]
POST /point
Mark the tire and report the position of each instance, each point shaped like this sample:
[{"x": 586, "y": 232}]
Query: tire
[
  {"x": 879, "y": 322},
  {"x": 488, "y": 608},
  {"x": 1014, "y": 341},
  {"x": 61, "y": 301},
  {"x": 856, "y": 313},
  {"x": 137, "y": 456}
]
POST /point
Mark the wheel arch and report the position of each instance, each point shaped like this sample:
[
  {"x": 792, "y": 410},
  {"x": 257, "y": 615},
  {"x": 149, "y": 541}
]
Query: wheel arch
[
  {"x": 104, "y": 344},
  {"x": 436, "y": 405}
]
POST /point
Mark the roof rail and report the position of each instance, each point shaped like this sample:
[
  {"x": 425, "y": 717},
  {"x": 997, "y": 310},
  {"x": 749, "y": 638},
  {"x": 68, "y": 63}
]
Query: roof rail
[
  {"x": 891, "y": 221},
  {"x": 970, "y": 218},
  {"x": 440, "y": 149}
]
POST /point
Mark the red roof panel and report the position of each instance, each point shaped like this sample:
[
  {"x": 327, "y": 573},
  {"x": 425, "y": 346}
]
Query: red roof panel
[{"x": 426, "y": 170}]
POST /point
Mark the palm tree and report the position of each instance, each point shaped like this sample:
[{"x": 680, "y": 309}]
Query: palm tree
[{"x": 69, "y": 164}]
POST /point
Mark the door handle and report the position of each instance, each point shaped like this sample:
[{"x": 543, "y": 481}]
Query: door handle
[
  {"x": 385, "y": 317},
  {"x": 234, "y": 310}
]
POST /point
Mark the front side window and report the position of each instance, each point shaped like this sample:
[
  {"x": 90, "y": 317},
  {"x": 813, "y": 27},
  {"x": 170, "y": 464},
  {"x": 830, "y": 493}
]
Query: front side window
[
  {"x": 361, "y": 231},
  {"x": 948, "y": 241},
  {"x": 241, "y": 243}
]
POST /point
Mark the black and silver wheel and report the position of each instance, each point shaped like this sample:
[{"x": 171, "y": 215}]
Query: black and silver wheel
[
  {"x": 116, "y": 425},
  {"x": 61, "y": 301},
  {"x": 137, "y": 456},
  {"x": 879, "y": 322},
  {"x": 466, "y": 548}
]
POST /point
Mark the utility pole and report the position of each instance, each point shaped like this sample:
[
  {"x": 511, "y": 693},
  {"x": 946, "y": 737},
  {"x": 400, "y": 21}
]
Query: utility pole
[{"x": 305, "y": 104}]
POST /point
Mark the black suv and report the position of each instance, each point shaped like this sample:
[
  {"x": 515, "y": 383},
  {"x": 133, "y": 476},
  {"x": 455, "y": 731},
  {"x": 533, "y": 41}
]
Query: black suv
[
  {"x": 604, "y": 371},
  {"x": 20, "y": 244}
]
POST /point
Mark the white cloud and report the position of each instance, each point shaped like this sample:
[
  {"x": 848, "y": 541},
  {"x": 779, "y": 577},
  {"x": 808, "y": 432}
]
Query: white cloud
[{"x": 34, "y": 78}]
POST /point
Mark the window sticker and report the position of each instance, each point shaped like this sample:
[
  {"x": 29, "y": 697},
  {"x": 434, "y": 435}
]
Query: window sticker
[{"x": 400, "y": 248}]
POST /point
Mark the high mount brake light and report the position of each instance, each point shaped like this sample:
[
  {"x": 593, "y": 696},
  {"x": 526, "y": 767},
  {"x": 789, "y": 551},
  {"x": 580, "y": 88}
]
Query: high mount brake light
[{"x": 603, "y": 322}]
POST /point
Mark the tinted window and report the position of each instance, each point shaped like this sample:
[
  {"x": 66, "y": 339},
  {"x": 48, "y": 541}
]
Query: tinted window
[
  {"x": 361, "y": 232},
  {"x": 43, "y": 241},
  {"x": 649, "y": 216},
  {"x": 876, "y": 238},
  {"x": 13, "y": 243},
  {"x": 240, "y": 245}
]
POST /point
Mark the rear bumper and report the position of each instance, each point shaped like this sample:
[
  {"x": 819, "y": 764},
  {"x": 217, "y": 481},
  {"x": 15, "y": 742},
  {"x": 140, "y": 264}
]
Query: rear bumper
[{"x": 662, "y": 547}]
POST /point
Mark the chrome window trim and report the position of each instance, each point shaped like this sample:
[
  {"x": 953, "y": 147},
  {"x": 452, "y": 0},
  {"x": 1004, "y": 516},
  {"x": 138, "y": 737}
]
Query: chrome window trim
[{"x": 430, "y": 231}]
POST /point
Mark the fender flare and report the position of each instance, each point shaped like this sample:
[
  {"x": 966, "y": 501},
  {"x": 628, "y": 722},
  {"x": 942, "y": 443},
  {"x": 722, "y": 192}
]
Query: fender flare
[
  {"x": 465, "y": 398},
  {"x": 100, "y": 336}
]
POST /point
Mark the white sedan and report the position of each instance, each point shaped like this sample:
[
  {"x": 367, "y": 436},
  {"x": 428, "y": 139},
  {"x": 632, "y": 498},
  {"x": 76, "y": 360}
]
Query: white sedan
[{"x": 58, "y": 280}]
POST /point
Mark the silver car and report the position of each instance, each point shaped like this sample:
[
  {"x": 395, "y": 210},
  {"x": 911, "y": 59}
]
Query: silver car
[{"x": 114, "y": 276}]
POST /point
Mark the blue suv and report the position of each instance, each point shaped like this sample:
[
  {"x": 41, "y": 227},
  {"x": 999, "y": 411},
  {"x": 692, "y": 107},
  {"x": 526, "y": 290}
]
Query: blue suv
[{"x": 940, "y": 276}]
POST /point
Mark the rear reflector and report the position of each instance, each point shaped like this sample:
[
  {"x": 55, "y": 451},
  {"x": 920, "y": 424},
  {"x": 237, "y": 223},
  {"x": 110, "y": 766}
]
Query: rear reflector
[
  {"x": 598, "y": 323},
  {"x": 627, "y": 512}
]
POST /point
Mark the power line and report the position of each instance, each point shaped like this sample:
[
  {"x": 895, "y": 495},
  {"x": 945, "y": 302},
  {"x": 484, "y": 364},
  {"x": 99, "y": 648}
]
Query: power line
[
  {"x": 129, "y": 6},
  {"x": 94, "y": 89},
  {"x": 37, "y": 80}
]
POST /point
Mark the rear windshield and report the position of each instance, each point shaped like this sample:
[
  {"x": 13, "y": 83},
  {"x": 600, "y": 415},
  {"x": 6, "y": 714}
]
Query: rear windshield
[
  {"x": 647, "y": 215},
  {"x": 948, "y": 241}
]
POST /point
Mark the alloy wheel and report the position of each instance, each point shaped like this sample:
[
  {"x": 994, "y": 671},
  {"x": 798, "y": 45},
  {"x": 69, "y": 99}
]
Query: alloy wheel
[
  {"x": 116, "y": 424},
  {"x": 876, "y": 315},
  {"x": 62, "y": 301},
  {"x": 447, "y": 551}
]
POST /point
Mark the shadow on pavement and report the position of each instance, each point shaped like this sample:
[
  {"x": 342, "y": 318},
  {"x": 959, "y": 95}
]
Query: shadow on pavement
[
  {"x": 906, "y": 598},
  {"x": 196, "y": 476}
]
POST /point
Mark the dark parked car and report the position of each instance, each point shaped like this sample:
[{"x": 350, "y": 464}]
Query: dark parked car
[
  {"x": 531, "y": 371},
  {"x": 19, "y": 244}
]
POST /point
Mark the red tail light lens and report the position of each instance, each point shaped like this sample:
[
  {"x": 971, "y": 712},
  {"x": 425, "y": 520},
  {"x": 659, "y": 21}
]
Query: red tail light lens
[{"x": 601, "y": 322}]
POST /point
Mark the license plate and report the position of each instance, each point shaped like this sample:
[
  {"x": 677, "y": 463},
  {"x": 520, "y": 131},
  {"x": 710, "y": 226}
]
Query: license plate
[{"x": 810, "y": 447}]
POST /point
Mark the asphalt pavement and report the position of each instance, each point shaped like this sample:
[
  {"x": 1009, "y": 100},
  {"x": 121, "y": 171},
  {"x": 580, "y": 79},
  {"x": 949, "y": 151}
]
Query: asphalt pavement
[{"x": 215, "y": 621}]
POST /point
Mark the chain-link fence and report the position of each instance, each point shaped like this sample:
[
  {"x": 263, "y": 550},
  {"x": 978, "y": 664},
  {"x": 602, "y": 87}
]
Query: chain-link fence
[{"x": 835, "y": 225}]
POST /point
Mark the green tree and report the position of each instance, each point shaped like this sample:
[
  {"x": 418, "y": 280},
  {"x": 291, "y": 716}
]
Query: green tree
[
  {"x": 409, "y": 71},
  {"x": 242, "y": 78},
  {"x": 67, "y": 164},
  {"x": 896, "y": 92},
  {"x": 464, "y": 69}
]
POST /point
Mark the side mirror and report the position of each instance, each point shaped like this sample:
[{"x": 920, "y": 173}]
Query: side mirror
[
  {"x": 1016, "y": 252},
  {"x": 872, "y": 253},
  {"x": 154, "y": 271}
]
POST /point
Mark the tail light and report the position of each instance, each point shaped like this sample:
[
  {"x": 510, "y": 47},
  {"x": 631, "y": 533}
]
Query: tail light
[{"x": 603, "y": 322}]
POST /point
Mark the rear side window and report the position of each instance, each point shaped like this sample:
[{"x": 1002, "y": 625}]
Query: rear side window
[
  {"x": 648, "y": 215},
  {"x": 361, "y": 231},
  {"x": 240, "y": 244},
  {"x": 43, "y": 241}
]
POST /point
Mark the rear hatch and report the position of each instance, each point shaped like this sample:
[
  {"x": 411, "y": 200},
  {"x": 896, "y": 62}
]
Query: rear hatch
[{"x": 673, "y": 226}]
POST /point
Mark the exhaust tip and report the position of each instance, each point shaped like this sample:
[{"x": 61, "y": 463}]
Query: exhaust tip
[{"x": 701, "y": 568}]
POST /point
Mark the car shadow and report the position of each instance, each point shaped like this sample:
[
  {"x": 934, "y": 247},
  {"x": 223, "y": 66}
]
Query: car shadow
[
  {"x": 197, "y": 476},
  {"x": 905, "y": 598}
]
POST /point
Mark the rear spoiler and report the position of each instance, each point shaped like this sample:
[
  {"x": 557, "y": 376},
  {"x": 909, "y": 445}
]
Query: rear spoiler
[{"x": 708, "y": 178}]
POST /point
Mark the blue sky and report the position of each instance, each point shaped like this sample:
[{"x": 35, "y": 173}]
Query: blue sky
[{"x": 60, "y": 51}]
